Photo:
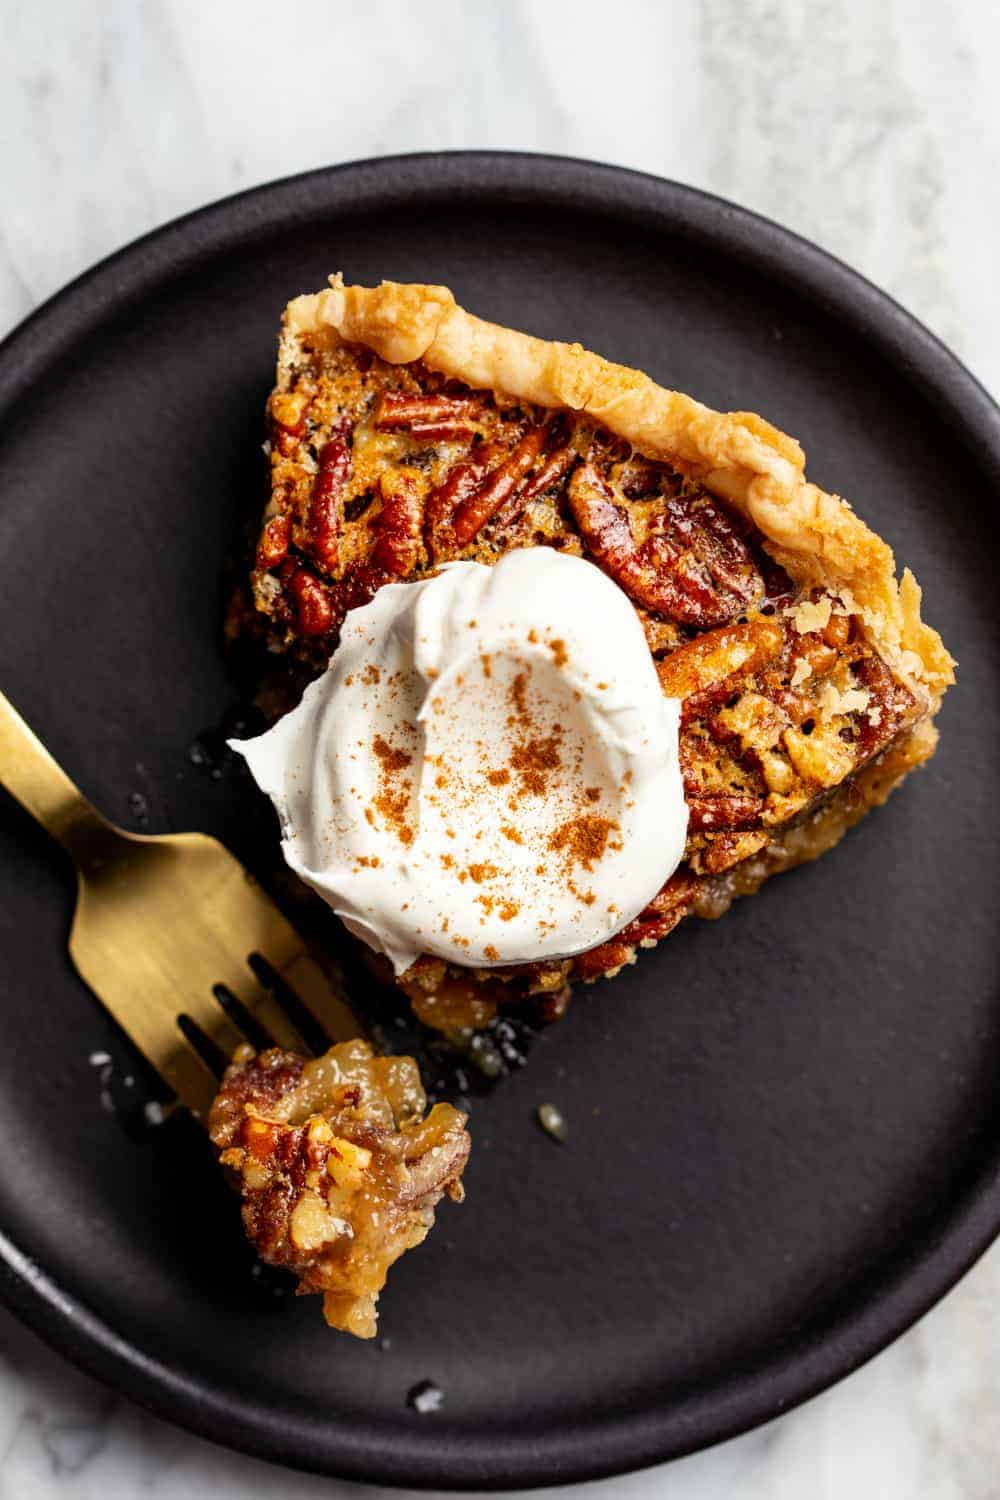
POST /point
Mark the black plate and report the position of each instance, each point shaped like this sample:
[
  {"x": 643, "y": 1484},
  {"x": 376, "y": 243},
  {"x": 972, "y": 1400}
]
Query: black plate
[{"x": 784, "y": 1134}]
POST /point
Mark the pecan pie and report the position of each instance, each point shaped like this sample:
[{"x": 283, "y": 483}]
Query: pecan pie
[
  {"x": 338, "y": 1167},
  {"x": 404, "y": 432}
]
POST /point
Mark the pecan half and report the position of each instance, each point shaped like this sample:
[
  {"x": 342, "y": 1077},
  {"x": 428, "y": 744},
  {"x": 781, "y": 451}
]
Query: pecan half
[
  {"x": 400, "y": 523},
  {"x": 442, "y": 502},
  {"x": 687, "y": 569},
  {"x": 499, "y": 486},
  {"x": 704, "y": 527},
  {"x": 546, "y": 477},
  {"x": 311, "y": 599},
  {"x": 428, "y": 418},
  {"x": 325, "y": 505}
]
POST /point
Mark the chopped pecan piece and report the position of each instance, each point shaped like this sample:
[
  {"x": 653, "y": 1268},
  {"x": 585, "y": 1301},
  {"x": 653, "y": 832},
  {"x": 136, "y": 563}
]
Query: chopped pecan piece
[
  {"x": 338, "y": 1166},
  {"x": 838, "y": 630},
  {"x": 273, "y": 545},
  {"x": 668, "y": 907},
  {"x": 288, "y": 420},
  {"x": 639, "y": 478},
  {"x": 821, "y": 757},
  {"x": 726, "y": 850},
  {"x": 812, "y": 648},
  {"x": 795, "y": 706},
  {"x": 708, "y": 670},
  {"x": 889, "y": 704},
  {"x": 724, "y": 813}
]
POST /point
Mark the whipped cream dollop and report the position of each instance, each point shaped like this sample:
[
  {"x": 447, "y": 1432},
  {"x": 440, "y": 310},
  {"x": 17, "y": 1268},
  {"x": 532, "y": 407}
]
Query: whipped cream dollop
[{"x": 487, "y": 771}]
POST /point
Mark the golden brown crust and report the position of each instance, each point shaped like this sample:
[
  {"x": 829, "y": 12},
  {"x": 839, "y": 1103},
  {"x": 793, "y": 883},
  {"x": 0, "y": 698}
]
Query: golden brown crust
[{"x": 815, "y": 536}]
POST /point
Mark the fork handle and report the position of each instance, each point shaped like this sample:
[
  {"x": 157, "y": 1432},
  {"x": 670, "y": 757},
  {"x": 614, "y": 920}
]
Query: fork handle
[{"x": 30, "y": 774}]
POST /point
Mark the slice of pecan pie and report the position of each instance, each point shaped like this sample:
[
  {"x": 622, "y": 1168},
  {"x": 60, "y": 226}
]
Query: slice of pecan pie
[{"x": 405, "y": 432}]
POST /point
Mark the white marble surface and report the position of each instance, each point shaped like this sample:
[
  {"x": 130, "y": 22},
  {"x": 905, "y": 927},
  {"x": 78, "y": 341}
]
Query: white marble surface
[{"x": 873, "y": 128}]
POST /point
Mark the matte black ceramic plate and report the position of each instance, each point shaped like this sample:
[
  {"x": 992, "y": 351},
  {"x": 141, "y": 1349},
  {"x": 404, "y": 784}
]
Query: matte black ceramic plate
[{"x": 784, "y": 1136}]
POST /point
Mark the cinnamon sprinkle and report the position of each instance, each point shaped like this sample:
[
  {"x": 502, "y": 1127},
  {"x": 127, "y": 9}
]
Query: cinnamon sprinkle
[
  {"x": 535, "y": 756},
  {"x": 394, "y": 806},
  {"x": 393, "y": 798},
  {"x": 533, "y": 759},
  {"x": 391, "y": 758},
  {"x": 583, "y": 840},
  {"x": 518, "y": 690}
]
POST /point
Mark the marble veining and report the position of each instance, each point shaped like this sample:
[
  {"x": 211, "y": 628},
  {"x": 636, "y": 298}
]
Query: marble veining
[{"x": 872, "y": 128}]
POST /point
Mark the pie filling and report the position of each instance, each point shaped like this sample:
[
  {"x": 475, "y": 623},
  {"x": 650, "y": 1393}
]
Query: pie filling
[
  {"x": 338, "y": 1165},
  {"x": 792, "y": 720}
]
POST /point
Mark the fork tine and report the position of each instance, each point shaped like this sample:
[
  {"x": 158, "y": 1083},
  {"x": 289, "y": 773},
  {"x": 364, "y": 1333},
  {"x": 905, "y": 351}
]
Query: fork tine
[
  {"x": 319, "y": 993},
  {"x": 266, "y": 1011},
  {"x": 209, "y": 1016},
  {"x": 192, "y": 1080},
  {"x": 147, "y": 1010}
]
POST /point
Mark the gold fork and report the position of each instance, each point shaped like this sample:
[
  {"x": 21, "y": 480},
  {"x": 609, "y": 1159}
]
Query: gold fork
[{"x": 164, "y": 929}]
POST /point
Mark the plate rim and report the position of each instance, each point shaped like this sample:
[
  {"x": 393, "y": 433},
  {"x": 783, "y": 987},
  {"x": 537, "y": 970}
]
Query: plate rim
[{"x": 924, "y": 1274}]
